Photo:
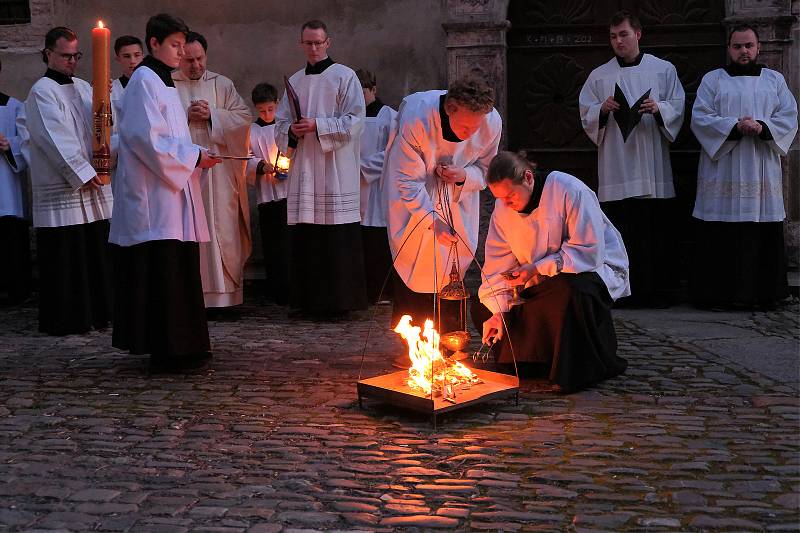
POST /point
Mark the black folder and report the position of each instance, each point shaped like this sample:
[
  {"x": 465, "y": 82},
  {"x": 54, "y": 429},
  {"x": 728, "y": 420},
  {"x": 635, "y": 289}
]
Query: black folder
[{"x": 627, "y": 116}]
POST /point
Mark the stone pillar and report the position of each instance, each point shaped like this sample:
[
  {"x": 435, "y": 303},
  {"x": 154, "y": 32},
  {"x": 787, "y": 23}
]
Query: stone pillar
[
  {"x": 476, "y": 43},
  {"x": 777, "y": 24}
]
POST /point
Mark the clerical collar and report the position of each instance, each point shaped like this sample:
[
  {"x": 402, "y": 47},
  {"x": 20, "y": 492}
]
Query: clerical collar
[
  {"x": 633, "y": 63},
  {"x": 163, "y": 71},
  {"x": 319, "y": 66},
  {"x": 374, "y": 108},
  {"x": 4, "y": 99},
  {"x": 58, "y": 77},
  {"x": 750, "y": 69},
  {"x": 261, "y": 122},
  {"x": 536, "y": 194},
  {"x": 447, "y": 132},
  {"x": 123, "y": 80}
]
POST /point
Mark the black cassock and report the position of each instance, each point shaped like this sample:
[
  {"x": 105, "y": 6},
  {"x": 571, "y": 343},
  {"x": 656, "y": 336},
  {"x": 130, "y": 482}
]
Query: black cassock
[{"x": 565, "y": 327}]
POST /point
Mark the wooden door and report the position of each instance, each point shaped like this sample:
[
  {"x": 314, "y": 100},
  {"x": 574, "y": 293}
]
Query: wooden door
[{"x": 553, "y": 45}]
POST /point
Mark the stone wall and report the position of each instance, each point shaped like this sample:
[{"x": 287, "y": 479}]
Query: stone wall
[
  {"x": 254, "y": 40},
  {"x": 251, "y": 41}
]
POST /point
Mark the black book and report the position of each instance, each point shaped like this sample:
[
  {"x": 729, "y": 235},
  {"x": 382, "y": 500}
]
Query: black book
[
  {"x": 294, "y": 101},
  {"x": 627, "y": 116}
]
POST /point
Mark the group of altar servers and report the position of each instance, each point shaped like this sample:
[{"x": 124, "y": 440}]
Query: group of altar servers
[{"x": 380, "y": 203}]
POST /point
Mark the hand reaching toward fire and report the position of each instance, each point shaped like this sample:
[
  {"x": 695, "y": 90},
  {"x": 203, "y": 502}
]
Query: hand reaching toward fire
[{"x": 493, "y": 329}]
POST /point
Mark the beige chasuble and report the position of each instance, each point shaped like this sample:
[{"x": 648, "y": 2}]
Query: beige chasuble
[{"x": 225, "y": 190}]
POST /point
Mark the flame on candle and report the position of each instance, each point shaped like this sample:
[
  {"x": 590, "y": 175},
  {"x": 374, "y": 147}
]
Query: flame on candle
[
  {"x": 283, "y": 163},
  {"x": 100, "y": 24}
]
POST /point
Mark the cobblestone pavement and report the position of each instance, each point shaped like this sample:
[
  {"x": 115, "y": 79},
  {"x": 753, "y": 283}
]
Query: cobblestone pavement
[{"x": 269, "y": 437}]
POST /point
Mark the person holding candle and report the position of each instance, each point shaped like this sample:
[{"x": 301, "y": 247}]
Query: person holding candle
[
  {"x": 323, "y": 198},
  {"x": 15, "y": 268},
  {"x": 159, "y": 219},
  {"x": 271, "y": 193},
  {"x": 71, "y": 206},
  {"x": 220, "y": 120}
]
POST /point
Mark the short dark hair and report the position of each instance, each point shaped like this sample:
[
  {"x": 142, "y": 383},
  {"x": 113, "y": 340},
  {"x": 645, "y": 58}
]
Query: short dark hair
[
  {"x": 126, "y": 40},
  {"x": 194, "y": 37},
  {"x": 59, "y": 32},
  {"x": 315, "y": 24},
  {"x": 367, "y": 78},
  {"x": 740, "y": 28},
  {"x": 162, "y": 26},
  {"x": 508, "y": 165},
  {"x": 621, "y": 16},
  {"x": 264, "y": 92},
  {"x": 473, "y": 93}
]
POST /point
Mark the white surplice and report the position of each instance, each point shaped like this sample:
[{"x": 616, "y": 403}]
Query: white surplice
[
  {"x": 374, "y": 139},
  {"x": 12, "y": 163},
  {"x": 740, "y": 180},
  {"x": 117, "y": 92},
  {"x": 262, "y": 143},
  {"x": 324, "y": 176},
  {"x": 222, "y": 259},
  {"x": 567, "y": 232},
  {"x": 639, "y": 167},
  {"x": 411, "y": 190},
  {"x": 157, "y": 184},
  {"x": 57, "y": 144}
]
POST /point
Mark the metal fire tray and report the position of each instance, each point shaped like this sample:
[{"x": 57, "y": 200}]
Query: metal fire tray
[{"x": 393, "y": 389}]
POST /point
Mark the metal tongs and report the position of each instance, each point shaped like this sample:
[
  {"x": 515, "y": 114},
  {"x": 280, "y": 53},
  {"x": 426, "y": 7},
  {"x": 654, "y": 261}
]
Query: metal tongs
[{"x": 482, "y": 356}]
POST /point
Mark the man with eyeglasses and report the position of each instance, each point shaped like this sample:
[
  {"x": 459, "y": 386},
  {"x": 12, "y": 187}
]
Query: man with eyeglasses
[
  {"x": 323, "y": 206},
  {"x": 71, "y": 208}
]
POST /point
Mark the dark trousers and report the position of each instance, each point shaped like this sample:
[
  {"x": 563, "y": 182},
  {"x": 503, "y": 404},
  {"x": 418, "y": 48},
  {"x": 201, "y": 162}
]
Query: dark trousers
[{"x": 276, "y": 247}]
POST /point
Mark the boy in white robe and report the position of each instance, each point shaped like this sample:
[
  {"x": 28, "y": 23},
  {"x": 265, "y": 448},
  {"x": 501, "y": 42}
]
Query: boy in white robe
[
  {"x": 323, "y": 197},
  {"x": 378, "y": 126},
  {"x": 220, "y": 120},
  {"x": 548, "y": 236},
  {"x": 71, "y": 207},
  {"x": 635, "y": 175},
  {"x": 15, "y": 268},
  {"x": 271, "y": 194},
  {"x": 745, "y": 118},
  {"x": 128, "y": 52},
  {"x": 159, "y": 218},
  {"x": 442, "y": 148}
]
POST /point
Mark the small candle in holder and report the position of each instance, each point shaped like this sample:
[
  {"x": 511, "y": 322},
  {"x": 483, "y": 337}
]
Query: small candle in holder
[
  {"x": 282, "y": 164},
  {"x": 101, "y": 102}
]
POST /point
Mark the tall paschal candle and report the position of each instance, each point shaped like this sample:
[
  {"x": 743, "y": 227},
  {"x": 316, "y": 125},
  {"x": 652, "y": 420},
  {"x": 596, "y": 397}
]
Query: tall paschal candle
[{"x": 101, "y": 101}]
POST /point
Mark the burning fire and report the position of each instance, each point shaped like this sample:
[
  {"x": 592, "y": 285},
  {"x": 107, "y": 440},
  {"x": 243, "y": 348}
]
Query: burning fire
[{"x": 429, "y": 369}]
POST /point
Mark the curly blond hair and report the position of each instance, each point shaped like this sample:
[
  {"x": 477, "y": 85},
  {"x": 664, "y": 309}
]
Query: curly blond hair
[{"x": 473, "y": 93}]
